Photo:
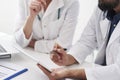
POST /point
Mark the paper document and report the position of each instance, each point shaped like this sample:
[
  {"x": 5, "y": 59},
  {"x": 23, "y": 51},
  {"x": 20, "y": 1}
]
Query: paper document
[
  {"x": 41, "y": 58},
  {"x": 9, "y": 70}
]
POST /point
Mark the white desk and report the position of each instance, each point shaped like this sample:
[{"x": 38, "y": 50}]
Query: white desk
[{"x": 33, "y": 73}]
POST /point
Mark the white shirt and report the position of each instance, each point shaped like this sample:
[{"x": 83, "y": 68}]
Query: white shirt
[{"x": 53, "y": 30}]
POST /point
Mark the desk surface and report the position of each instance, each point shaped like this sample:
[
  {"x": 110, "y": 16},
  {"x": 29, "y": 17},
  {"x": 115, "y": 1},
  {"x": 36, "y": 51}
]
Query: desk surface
[{"x": 33, "y": 73}]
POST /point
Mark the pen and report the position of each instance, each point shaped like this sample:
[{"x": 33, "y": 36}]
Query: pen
[
  {"x": 39, "y": 18},
  {"x": 65, "y": 49},
  {"x": 59, "y": 54}
]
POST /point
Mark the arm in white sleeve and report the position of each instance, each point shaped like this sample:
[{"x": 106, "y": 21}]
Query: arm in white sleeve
[
  {"x": 111, "y": 72},
  {"x": 87, "y": 42},
  {"x": 19, "y": 23},
  {"x": 66, "y": 33}
]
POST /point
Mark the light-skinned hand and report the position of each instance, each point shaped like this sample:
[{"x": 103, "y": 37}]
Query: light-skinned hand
[{"x": 36, "y": 6}]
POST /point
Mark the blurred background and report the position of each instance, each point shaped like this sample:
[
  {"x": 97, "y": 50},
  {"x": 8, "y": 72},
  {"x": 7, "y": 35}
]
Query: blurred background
[
  {"x": 9, "y": 8},
  {"x": 8, "y": 11}
]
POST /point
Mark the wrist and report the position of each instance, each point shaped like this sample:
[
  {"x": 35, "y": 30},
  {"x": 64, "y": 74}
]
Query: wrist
[
  {"x": 77, "y": 74},
  {"x": 67, "y": 73},
  {"x": 32, "y": 43},
  {"x": 71, "y": 60},
  {"x": 31, "y": 17}
]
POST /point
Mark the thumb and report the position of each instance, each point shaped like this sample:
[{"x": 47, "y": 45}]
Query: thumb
[
  {"x": 57, "y": 46},
  {"x": 61, "y": 52},
  {"x": 43, "y": 2}
]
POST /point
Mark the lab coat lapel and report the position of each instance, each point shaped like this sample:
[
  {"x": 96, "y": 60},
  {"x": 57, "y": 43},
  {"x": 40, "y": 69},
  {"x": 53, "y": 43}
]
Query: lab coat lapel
[
  {"x": 54, "y": 5},
  {"x": 101, "y": 54},
  {"x": 104, "y": 26},
  {"x": 115, "y": 34}
]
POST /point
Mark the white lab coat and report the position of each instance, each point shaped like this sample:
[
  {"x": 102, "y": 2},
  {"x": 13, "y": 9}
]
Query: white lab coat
[
  {"x": 95, "y": 36},
  {"x": 53, "y": 30}
]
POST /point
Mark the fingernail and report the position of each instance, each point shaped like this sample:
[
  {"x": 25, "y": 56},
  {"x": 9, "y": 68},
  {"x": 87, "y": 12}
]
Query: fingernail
[
  {"x": 58, "y": 50},
  {"x": 53, "y": 74}
]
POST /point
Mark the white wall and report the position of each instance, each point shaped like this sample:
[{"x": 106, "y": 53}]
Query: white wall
[
  {"x": 86, "y": 9},
  {"x": 7, "y": 15},
  {"x": 8, "y": 10}
]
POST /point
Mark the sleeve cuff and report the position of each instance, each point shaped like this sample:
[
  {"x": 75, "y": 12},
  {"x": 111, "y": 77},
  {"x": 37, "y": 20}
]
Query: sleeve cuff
[
  {"x": 74, "y": 53},
  {"x": 21, "y": 39},
  {"x": 89, "y": 74}
]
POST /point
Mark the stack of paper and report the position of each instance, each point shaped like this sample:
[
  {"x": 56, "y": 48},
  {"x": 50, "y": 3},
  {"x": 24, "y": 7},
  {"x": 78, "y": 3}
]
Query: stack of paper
[
  {"x": 41, "y": 58},
  {"x": 9, "y": 71}
]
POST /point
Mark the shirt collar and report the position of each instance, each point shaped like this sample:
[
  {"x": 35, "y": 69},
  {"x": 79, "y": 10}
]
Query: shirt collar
[{"x": 111, "y": 15}]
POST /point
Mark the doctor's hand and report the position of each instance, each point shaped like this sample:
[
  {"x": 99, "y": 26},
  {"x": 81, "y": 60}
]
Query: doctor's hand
[
  {"x": 56, "y": 74},
  {"x": 62, "y": 73},
  {"x": 60, "y": 57},
  {"x": 32, "y": 43},
  {"x": 36, "y": 6}
]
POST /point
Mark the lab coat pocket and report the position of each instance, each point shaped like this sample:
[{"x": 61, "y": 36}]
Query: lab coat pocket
[
  {"x": 114, "y": 49},
  {"x": 54, "y": 28}
]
